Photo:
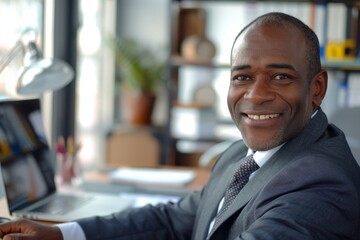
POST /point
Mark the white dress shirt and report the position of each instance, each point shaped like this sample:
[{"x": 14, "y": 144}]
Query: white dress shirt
[{"x": 71, "y": 230}]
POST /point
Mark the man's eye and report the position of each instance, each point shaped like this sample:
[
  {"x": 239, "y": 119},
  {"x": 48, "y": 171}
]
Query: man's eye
[
  {"x": 242, "y": 78},
  {"x": 281, "y": 76}
]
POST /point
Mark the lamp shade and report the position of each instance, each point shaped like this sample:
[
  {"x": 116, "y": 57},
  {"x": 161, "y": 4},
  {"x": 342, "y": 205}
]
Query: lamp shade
[
  {"x": 44, "y": 75},
  {"x": 36, "y": 74}
]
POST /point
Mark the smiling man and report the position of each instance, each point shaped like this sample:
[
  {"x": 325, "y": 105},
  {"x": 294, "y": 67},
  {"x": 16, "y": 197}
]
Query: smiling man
[
  {"x": 300, "y": 180},
  {"x": 274, "y": 88}
]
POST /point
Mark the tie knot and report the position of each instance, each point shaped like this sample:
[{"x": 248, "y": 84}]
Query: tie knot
[{"x": 247, "y": 167}]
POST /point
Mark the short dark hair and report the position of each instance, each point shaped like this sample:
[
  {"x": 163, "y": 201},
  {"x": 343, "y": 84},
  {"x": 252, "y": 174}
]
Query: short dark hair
[{"x": 282, "y": 20}]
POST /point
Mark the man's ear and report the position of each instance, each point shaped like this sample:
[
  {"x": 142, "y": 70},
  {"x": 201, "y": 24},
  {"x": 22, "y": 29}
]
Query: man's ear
[{"x": 318, "y": 88}]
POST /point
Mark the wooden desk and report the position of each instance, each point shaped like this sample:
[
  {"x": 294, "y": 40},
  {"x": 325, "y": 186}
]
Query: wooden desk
[{"x": 201, "y": 178}]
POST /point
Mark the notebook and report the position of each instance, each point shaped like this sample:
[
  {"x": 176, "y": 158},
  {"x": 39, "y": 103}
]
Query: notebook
[{"x": 28, "y": 171}]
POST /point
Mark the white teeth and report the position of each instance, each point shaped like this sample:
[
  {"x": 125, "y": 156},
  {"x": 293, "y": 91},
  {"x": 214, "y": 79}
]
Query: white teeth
[{"x": 263, "y": 117}]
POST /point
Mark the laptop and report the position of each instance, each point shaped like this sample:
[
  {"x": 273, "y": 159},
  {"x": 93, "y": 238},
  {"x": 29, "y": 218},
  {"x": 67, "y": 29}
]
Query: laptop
[{"x": 28, "y": 171}]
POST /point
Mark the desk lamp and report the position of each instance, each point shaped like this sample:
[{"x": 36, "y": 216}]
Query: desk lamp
[{"x": 37, "y": 74}]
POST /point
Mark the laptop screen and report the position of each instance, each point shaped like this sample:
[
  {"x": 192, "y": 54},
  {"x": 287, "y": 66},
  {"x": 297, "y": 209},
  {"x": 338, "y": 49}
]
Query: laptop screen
[{"x": 27, "y": 163}]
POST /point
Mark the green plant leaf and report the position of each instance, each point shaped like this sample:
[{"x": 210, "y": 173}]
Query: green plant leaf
[{"x": 141, "y": 70}]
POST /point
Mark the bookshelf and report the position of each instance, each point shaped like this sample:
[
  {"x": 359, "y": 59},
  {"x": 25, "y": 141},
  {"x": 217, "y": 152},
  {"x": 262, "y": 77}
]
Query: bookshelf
[{"x": 191, "y": 80}]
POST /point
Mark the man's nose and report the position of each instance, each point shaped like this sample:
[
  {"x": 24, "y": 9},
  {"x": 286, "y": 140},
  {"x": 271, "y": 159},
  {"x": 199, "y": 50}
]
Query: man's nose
[{"x": 260, "y": 91}]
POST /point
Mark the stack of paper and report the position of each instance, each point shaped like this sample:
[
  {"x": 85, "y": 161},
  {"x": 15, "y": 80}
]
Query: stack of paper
[{"x": 152, "y": 176}]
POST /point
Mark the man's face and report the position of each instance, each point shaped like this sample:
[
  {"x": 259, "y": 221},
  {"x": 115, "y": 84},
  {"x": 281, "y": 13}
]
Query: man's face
[{"x": 270, "y": 97}]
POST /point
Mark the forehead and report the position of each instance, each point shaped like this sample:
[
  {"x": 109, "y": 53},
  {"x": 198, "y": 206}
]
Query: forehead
[{"x": 270, "y": 42}]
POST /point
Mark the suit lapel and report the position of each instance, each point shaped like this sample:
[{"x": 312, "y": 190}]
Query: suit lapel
[
  {"x": 279, "y": 160},
  {"x": 217, "y": 193},
  {"x": 248, "y": 191},
  {"x": 216, "y": 189}
]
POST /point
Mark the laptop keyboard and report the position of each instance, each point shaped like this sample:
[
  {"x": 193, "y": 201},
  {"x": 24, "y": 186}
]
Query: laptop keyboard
[{"x": 62, "y": 204}]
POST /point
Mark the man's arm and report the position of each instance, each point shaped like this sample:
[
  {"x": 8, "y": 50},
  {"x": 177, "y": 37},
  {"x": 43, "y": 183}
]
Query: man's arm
[{"x": 163, "y": 221}]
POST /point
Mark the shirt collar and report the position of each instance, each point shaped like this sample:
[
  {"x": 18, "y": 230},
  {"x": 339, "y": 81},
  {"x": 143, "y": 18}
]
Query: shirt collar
[{"x": 261, "y": 157}]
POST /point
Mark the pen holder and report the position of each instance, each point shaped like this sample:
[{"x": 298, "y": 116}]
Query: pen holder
[{"x": 69, "y": 169}]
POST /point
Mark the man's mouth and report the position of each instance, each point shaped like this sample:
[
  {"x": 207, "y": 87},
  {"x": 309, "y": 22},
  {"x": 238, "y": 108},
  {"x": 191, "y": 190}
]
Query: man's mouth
[{"x": 262, "y": 116}]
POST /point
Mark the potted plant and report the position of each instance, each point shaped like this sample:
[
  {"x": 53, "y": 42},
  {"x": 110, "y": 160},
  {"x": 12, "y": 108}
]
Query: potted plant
[{"x": 140, "y": 72}]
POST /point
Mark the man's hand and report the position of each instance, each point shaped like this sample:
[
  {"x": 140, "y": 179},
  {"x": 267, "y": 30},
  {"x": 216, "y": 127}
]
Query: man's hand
[{"x": 22, "y": 229}]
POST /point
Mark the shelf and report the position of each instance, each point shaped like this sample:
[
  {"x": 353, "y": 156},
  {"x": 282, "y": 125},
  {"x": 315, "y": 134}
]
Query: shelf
[
  {"x": 350, "y": 65},
  {"x": 193, "y": 105},
  {"x": 178, "y": 61}
]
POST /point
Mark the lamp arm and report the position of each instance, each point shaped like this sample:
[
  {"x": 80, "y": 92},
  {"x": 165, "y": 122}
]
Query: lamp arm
[{"x": 15, "y": 50}]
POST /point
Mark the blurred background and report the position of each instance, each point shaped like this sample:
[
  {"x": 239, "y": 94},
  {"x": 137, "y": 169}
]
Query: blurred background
[{"x": 188, "y": 44}]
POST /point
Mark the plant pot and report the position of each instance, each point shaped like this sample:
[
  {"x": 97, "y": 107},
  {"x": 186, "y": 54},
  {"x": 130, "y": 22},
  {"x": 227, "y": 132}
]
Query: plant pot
[{"x": 137, "y": 107}]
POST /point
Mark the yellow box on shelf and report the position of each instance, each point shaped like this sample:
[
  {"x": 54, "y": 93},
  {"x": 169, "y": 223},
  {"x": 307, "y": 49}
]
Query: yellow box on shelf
[{"x": 340, "y": 50}]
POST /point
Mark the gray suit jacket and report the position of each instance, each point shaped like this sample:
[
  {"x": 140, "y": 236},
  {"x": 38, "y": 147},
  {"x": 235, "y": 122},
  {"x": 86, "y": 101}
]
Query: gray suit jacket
[{"x": 309, "y": 189}]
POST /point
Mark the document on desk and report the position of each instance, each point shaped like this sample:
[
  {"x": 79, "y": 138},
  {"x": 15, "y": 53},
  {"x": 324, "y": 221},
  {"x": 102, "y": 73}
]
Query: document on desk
[
  {"x": 142, "y": 199},
  {"x": 152, "y": 176}
]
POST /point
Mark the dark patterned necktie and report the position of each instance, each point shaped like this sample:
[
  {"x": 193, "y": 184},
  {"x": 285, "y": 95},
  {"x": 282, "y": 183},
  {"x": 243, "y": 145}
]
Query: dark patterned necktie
[{"x": 240, "y": 178}]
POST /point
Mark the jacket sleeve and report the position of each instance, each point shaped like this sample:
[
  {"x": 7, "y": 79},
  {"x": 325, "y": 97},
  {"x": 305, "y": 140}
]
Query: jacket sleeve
[{"x": 163, "y": 221}]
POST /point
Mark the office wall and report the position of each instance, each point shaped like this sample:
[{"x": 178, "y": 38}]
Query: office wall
[{"x": 145, "y": 21}]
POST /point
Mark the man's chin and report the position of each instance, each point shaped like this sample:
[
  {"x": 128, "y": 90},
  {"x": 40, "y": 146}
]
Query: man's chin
[{"x": 262, "y": 144}]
